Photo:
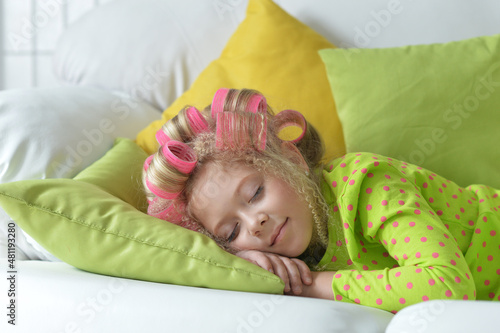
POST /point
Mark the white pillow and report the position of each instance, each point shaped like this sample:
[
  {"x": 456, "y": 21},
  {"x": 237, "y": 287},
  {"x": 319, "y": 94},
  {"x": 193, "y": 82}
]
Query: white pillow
[
  {"x": 439, "y": 316},
  {"x": 154, "y": 49},
  {"x": 56, "y": 133},
  {"x": 150, "y": 49}
]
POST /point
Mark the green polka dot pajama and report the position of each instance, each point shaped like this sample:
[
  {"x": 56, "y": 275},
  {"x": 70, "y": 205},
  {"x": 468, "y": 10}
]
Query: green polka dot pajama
[{"x": 400, "y": 234}]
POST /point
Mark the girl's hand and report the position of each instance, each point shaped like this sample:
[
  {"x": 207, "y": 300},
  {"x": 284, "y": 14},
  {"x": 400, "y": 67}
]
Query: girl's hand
[{"x": 292, "y": 271}]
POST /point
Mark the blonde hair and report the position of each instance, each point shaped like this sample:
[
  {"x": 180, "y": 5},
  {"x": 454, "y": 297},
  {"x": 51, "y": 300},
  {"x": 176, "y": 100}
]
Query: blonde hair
[{"x": 271, "y": 160}]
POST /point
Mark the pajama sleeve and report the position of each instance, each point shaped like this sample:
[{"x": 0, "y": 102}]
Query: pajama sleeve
[{"x": 384, "y": 214}]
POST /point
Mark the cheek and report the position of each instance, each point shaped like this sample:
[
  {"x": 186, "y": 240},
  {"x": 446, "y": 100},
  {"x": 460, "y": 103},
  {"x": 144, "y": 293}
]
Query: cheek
[
  {"x": 306, "y": 216},
  {"x": 302, "y": 205},
  {"x": 237, "y": 245}
]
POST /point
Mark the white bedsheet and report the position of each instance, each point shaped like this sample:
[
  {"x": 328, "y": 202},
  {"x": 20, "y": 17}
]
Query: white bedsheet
[{"x": 55, "y": 297}]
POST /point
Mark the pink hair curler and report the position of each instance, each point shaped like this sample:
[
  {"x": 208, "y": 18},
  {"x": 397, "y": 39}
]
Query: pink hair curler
[
  {"x": 235, "y": 130},
  {"x": 257, "y": 104},
  {"x": 161, "y": 193},
  {"x": 239, "y": 131},
  {"x": 218, "y": 101},
  {"x": 166, "y": 210},
  {"x": 161, "y": 137},
  {"x": 196, "y": 120},
  {"x": 171, "y": 211},
  {"x": 198, "y": 123},
  {"x": 147, "y": 162},
  {"x": 181, "y": 157},
  {"x": 288, "y": 118}
]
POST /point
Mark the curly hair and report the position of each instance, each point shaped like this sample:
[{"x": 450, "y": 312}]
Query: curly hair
[{"x": 272, "y": 160}]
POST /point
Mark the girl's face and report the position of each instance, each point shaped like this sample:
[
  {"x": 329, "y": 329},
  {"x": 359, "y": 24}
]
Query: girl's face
[{"x": 251, "y": 210}]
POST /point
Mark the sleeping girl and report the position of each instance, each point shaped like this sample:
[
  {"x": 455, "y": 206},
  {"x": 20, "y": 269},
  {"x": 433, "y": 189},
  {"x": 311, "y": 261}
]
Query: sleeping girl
[{"x": 363, "y": 228}]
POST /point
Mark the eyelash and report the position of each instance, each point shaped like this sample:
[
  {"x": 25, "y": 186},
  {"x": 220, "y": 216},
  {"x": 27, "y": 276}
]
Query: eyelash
[
  {"x": 234, "y": 234},
  {"x": 257, "y": 193}
]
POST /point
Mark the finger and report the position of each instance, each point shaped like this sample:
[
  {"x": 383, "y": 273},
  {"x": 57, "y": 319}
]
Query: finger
[
  {"x": 258, "y": 258},
  {"x": 263, "y": 261},
  {"x": 280, "y": 270},
  {"x": 305, "y": 272},
  {"x": 294, "y": 275}
]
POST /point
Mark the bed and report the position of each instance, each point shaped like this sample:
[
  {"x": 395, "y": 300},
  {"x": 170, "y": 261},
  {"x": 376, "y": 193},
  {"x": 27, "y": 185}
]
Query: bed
[{"x": 416, "y": 80}]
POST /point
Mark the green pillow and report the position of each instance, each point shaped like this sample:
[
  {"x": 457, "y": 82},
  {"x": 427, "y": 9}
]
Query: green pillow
[
  {"x": 94, "y": 222},
  {"x": 437, "y": 106}
]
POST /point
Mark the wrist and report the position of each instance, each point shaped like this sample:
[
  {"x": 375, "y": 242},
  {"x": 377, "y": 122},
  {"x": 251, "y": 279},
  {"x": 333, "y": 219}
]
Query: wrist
[{"x": 321, "y": 286}]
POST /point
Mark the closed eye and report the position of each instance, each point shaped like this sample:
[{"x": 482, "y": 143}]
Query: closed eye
[
  {"x": 257, "y": 193},
  {"x": 236, "y": 229},
  {"x": 234, "y": 234}
]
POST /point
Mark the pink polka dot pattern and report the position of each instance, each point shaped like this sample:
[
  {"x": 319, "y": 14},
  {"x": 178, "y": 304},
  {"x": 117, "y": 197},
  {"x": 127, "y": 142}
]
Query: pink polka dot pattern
[{"x": 406, "y": 233}]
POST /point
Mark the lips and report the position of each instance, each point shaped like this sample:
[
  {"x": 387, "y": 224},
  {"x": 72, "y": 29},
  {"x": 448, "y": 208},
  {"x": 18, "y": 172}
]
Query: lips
[{"x": 278, "y": 232}]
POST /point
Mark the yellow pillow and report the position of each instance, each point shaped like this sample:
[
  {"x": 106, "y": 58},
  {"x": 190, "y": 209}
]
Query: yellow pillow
[{"x": 276, "y": 54}]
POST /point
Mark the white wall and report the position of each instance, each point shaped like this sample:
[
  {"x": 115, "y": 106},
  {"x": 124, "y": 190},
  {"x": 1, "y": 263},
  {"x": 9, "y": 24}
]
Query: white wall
[{"x": 29, "y": 31}]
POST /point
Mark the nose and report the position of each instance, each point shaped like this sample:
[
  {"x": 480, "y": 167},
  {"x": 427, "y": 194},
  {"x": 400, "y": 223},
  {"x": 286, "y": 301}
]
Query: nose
[{"x": 256, "y": 223}]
